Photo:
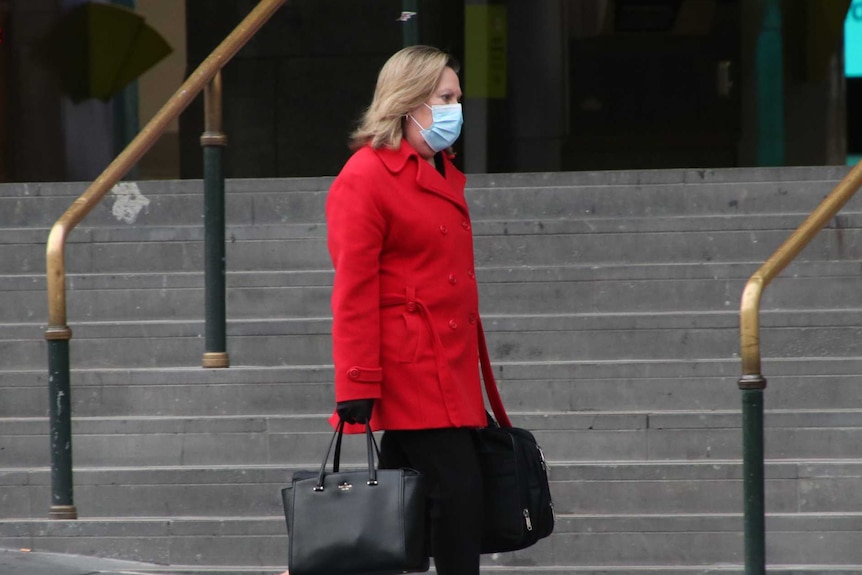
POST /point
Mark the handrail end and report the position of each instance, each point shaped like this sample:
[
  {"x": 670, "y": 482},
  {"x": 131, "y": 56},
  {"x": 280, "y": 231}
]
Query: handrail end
[{"x": 63, "y": 512}]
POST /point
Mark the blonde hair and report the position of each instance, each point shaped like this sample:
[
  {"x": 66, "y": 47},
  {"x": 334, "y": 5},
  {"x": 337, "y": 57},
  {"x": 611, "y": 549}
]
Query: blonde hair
[{"x": 406, "y": 81}]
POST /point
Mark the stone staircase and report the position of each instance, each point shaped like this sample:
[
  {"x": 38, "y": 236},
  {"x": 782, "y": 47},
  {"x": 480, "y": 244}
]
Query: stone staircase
[{"x": 610, "y": 302}]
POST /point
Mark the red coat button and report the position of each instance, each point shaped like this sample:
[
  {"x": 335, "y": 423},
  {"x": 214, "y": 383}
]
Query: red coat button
[
  {"x": 353, "y": 373},
  {"x": 472, "y": 318},
  {"x": 472, "y": 274},
  {"x": 452, "y": 279},
  {"x": 466, "y": 225},
  {"x": 453, "y": 324},
  {"x": 444, "y": 230},
  {"x": 411, "y": 306}
]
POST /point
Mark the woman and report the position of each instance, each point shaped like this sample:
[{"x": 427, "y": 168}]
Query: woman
[{"x": 405, "y": 304}]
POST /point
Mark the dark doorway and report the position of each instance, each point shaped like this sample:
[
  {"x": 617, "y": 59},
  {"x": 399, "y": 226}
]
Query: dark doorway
[
  {"x": 653, "y": 86},
  {"x": 854, "y": 120},
  {"x": 4, "y": 87}
]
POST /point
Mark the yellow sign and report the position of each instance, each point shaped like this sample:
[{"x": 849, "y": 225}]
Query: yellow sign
[{"x": 485, "y": 46}]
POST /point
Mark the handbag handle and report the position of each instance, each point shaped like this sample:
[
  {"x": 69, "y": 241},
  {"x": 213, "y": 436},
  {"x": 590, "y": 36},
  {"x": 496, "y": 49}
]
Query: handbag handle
[
  {"x": 372, "y": 448},
  {"x": 490, "y": 383},
  {"x": 337, "y": 460}
]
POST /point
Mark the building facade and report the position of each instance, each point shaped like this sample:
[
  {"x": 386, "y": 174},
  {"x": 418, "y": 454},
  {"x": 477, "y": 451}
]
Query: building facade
[{"x": 554, "y": 85}]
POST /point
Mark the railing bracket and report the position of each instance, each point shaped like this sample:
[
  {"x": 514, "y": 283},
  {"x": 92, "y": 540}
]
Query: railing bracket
[
  {"x": 752, "y": 382},
  {"x": 216, "y": 360},
  {"x": 61, "y": 512}
]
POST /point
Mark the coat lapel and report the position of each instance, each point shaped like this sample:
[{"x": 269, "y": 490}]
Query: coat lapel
[{"x": 427, "y": 177}]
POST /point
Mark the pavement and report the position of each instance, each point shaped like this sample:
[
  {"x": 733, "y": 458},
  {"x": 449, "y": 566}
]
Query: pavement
[{"x": 20, "y": 562}]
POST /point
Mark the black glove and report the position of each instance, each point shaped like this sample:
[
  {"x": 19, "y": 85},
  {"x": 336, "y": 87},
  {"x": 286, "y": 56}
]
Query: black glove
[{"x": 355, "y": 410}]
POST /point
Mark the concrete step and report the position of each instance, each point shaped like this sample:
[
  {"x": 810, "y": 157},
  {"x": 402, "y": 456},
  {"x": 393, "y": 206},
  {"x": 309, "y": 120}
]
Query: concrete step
[
  {"x": 42, "y": 560},
  {"x": 519, "y": 225},
  {"x": 691, "y": 540},
  {"x": 540, "y": 250},
  {"x": 618, "y": 488},
  {"x": 522, "y": 295},
  {"x": 570, "y": 436},
  {"x": 611, "y": 194},
  {"x": 588, "y": 541},
  {"x": 543, "y": 248},
  {"x": 794, "y": 383},
  {"x": 559, "y": 272},
  {"x": 506, "y": 290},
  {"x": 565, "y": 337},
  {"x": 26, "y": 561},
  {"x": 168, "y": 203},
  {"x": 632, "y": 396}
]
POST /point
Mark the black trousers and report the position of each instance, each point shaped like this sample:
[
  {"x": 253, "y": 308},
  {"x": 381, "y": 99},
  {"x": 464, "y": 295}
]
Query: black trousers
[{"x": 449, "y": 461}]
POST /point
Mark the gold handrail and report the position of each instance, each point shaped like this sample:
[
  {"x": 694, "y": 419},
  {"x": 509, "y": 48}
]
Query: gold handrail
[
  {"x": 749, "y": 321},
  {"x": 56, "y": 278},
  {"x": 752, "y": 383}
]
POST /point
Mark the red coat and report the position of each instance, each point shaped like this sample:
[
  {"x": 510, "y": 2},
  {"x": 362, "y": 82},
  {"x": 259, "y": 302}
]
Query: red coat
[{"x": 405, "y": 305}]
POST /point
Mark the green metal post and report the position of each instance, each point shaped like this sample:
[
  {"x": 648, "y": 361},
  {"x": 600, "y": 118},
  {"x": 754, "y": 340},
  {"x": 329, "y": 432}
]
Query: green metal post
[
  {"x": 770, "y": 88},
  {"x": 214, "y": 222},
  {"x": 60, "y": 415},
  {"x": 126, "y": 120},
  {"x": 213, "y": 141},
  {"x": 410, "y": 25},
  {"x": 752, "y": 387}
]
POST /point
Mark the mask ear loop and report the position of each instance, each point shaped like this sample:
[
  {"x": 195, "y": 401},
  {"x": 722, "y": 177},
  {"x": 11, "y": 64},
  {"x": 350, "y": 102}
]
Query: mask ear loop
[{"x": 415, "y": 121}]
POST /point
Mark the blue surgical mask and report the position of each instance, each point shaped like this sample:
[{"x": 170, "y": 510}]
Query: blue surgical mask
[{"x": 446, "y": 121}]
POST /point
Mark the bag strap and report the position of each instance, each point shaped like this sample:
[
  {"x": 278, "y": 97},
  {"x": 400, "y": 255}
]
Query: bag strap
[
  {"x": 372, "y": 447},
  {"x": 490, "y": 383},
  {"x": 339, "y": 431},
  {"x": 372, "y": 469}
]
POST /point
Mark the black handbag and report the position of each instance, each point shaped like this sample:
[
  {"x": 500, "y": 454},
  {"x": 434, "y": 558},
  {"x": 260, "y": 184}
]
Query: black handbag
[
  {"x": 518, "y": 509},
  {"x": 355, "y": 522}
]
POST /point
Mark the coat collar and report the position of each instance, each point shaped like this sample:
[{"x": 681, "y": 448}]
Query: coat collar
[
  {"x": 427, "y": 177},
  {"x": 396, "y": 158}
]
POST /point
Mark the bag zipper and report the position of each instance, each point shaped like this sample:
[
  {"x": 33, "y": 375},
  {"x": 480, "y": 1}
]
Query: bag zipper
[{"x": 542, "y": 459}]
